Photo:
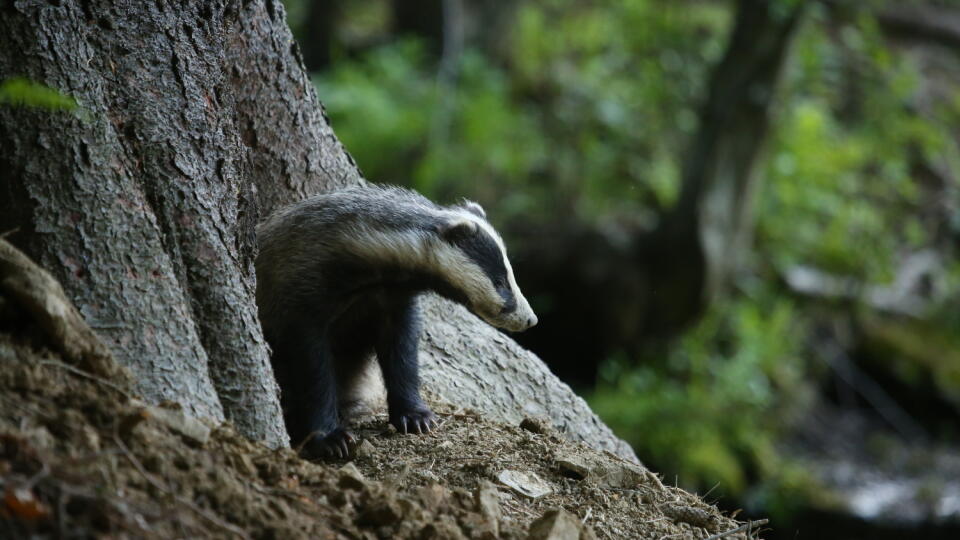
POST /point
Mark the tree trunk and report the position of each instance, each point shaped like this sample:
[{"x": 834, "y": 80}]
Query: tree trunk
[
  {"x": 140, "y": 205},
  {"x": 198, "y": 120},
  {"x": 703, "y": 237}
]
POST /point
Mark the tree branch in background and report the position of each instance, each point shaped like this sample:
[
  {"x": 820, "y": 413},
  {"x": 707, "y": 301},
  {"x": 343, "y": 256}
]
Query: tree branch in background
[
  {"x": 700, "y": 241},
  {"x": 931, "y": 23}
]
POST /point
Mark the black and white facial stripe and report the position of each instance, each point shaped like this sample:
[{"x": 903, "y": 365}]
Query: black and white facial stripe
[
  {"x": 476, "y": 262},
  {"x": 484, "y": 251}
]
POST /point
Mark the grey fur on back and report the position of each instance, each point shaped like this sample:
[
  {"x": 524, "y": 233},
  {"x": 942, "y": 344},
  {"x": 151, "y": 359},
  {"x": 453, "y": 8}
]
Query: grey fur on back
[{"x": 302, "y": 237}]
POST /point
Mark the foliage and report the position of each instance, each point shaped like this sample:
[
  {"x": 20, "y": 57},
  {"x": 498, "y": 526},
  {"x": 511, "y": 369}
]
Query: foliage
[
  {"x": 25, "y": 93},
  {"x": 840, "y": 188},
  {"x": 714, "y": 408},
  {"x": 586, "y": 116},
  {"x": 583, "y": 116},
  {"x": 841, "y": 195}
]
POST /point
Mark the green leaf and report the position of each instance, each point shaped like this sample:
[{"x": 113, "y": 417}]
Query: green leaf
[{"x": 22, "y": 92}]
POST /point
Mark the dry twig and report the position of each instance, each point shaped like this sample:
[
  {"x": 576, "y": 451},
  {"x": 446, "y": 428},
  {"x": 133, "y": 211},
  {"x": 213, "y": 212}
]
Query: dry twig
[{"x": 91, "y": 376}]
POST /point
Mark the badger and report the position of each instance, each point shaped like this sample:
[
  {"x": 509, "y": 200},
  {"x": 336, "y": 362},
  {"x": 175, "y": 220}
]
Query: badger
[{"x": 338, "y": 280}]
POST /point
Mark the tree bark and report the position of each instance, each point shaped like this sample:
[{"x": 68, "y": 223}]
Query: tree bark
[
  {"x": 198, "y": 120},
  {"x": 135, "y": 204}
]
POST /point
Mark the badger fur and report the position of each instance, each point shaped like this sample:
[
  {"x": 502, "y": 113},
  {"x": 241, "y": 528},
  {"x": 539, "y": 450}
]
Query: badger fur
[{"x": 338, "y": 276}]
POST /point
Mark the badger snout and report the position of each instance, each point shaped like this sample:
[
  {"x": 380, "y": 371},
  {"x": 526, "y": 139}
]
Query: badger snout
[
  {"x": 530, "y": 322},
  {"x": 515, "y": 324},
  {"x": 522, "y": 318}
]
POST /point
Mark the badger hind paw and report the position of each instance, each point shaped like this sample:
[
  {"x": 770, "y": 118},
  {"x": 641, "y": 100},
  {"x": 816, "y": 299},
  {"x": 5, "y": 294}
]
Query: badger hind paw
[
  {"x": 338, "y": 444},
  {"x": 418, "y": 420}
]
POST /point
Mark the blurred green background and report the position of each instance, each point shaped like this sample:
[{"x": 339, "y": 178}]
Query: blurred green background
[{"x": 737, "y": 220}]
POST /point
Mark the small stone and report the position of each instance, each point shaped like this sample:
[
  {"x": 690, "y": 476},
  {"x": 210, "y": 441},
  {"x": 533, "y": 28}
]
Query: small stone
[
  {"x": 351, "y": 477},
  {"x": 573, "y": 466},
  {"x": 620, "y": 474},
  {"x": 525, "y": 483},
  {"x": 556, "y": 524},
  {"x": 445, "y": 445},
  {"x": 428, "y": 476},
  {"x": 365, "y": 449}
]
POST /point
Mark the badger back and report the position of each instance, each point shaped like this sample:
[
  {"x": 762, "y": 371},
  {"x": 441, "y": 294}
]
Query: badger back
[{"x": 455, "y": 247}]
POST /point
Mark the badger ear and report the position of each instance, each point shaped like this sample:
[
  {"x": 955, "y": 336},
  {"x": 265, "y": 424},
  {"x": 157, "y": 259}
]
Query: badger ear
[
  {"x": 473, "y": 208},
  {"x": 456, "y": 227}
]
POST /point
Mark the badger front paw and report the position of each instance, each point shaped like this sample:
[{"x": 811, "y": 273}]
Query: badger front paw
[
  {"x": 334, "y": 445},
  {"x": 416, "y": 419}
]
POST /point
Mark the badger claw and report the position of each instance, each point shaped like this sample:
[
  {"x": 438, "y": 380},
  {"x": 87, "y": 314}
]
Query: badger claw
[
  {"x": 420, "y": 420},
  {"x": 334, "y": 445}
]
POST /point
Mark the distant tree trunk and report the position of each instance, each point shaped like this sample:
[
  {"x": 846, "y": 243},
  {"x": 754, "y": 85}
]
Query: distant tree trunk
[
  {"x": 929, "y": 23},
  {"x": 703, "y": 237},
  {"x": 317, "y": 33},
  {"x": 423, "y": 19},
  {"x": 198, "y": 118}
]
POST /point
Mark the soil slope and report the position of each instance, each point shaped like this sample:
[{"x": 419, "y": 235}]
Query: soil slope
[{"x": 80, "y": 456}]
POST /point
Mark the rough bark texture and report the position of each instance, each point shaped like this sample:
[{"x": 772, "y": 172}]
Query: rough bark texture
[
  {"x": 135, "y": 207},
  {"x": 201, "y": 119},
  {"x": 293, "y": 151}
]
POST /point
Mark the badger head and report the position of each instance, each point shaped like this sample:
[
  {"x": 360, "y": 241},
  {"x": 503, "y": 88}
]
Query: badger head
[{"x": 473, "y": 261}]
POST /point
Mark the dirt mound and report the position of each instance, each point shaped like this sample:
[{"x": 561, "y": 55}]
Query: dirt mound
[{"x": 81, "y": 457}]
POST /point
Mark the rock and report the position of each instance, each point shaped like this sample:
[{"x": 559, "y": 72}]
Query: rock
[
  {"x": 619, "y": 473},
  {"x": 351, "y": 478},
  {"x": 574, "y": 466},
  {"x": 445, "y": 445},
  {"x": 487, "y": 500},
  {"x": 525, "y": 483},
  {"x": 556, "y": 524}
]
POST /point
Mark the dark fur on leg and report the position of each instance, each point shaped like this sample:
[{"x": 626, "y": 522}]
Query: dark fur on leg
[
  {"x": 396, "y": 348},
  {"x": 304, "y": 368}
]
